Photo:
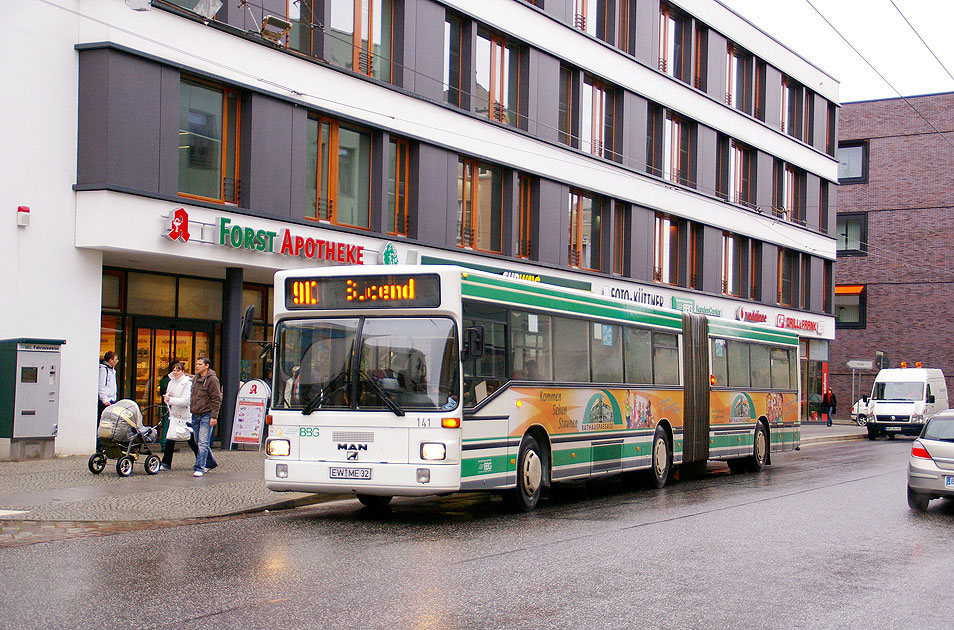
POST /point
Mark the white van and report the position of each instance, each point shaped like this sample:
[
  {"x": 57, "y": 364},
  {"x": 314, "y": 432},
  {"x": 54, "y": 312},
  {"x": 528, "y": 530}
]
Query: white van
[{"x": 903, "y": 399}]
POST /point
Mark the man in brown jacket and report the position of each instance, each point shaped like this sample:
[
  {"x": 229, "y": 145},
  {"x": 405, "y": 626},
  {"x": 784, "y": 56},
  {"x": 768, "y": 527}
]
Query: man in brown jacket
[{"x": 206, "y": 400}]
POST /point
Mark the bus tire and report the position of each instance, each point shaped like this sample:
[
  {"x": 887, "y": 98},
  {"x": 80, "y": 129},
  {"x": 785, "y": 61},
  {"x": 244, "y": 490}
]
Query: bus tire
[
  {"x": 530, "y": 474},
  {"x": 374, "y": 501},
  {"x": 760, "y": 449},
  {"x": 661, "y": 462}
]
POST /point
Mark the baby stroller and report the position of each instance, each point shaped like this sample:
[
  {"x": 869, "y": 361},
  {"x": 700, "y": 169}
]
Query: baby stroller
[{"x": 123, "y": 437}]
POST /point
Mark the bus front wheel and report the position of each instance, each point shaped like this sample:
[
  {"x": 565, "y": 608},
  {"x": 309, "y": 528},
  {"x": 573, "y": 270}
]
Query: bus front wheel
[
  {"x": 374, "y": 501},
  {"x": 530, "y": 470},
  {"x": 662, "y": 459}
]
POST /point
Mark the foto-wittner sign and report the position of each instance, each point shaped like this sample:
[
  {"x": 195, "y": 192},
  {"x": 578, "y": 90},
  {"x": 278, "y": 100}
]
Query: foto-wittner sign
[{"x": 283, "y": 242}]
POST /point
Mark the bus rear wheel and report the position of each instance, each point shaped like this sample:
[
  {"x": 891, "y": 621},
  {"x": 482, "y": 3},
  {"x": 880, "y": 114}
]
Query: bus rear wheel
[
  {"x": 662, "y": 459},
  {"x": 530, "y": 471}
]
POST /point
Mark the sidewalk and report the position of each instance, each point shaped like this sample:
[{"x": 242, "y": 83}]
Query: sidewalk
[{"x": 63, "y": 489}]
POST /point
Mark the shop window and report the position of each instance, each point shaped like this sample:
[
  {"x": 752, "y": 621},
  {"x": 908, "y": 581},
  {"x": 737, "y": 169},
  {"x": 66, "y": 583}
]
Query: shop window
[
  {"x": 853, "y": 162},
  {"x": 669, "y": 236},
  {"x": 338, "y": 174},
  {"x": 527, "y": 212},
  {"x": 151, "y": 294},
  {"x": 453, "y": 92},
  {"x": 732, "y": 256},
  {"x": 199, "y": 299},
  {"x": 112, "y": 290},
  {"x": 585, "y": 230},
  {"x": 360, "y": 36},
  {"x": 399, "y": 171},
  {"x": 208, "y": 142},
  {"x": 850, "y": 305},
  {"x": 479, "y": 206},
  {"x": 597, "y": 127},
  {"x": 851, "y": 234},
  {"x": 111, "y": 337}
]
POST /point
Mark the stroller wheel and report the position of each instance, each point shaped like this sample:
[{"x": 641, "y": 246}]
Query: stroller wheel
[
  {"x": 152, "y": 464},
  {"x": 124, "y": 466},
  {"x": 97, "y": 462}
]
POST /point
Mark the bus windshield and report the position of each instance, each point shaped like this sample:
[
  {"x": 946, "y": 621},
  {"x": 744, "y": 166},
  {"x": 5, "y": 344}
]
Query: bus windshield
[
  {"x": 403, "y": 363},
  {"x": 898, "y": 391}
]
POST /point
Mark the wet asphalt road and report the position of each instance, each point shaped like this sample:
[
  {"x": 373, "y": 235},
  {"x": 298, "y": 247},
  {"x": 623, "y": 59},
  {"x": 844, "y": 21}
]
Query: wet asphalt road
[{"x": 822, "y": 539}]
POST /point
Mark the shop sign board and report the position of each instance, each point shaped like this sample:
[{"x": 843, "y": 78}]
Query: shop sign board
[
  {"x": 689, "y": 305},
  {"x": 799, "y": 323},
  {"x": 251, "y": 406},
  {"x": 861, "y": 364},
  {"x": 284, "y": 242}
]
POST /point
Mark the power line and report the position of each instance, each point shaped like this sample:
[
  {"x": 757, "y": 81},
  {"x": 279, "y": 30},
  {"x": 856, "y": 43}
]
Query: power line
[{"x": 915, "y": 31}]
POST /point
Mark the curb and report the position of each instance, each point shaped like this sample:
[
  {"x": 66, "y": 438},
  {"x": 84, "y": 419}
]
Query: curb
[
  {"x": 288, "y": 504},
  {"x": 826, "y": 439}
]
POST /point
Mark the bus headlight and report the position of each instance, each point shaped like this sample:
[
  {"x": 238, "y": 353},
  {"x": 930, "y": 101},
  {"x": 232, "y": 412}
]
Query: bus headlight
[
  {"x": 278, "y": 448},
  {"x": 433, "y": 451}
]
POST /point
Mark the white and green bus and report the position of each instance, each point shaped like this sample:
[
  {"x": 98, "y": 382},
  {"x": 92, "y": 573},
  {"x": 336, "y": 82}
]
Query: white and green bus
[{"x": 415, "y": 380}]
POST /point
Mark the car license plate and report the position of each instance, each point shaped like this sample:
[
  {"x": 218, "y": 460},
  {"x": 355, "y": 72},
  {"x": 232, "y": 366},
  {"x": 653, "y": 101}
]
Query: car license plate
[
  {"x": 350, "y": 473},
  {"x": 949, "y": 482},
  {"x": 892, "y": 428}
]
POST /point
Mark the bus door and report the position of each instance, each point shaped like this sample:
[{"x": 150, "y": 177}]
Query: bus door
[{"x": 695, "y": 439}]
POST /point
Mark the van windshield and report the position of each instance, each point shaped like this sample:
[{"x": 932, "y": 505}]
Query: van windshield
[{"x": 898, "y": 391}]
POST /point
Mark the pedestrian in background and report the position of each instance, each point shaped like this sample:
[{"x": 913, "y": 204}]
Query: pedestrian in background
[
  {"x": 178, "y": 398},
  {"x": 206, "y": 401},
  {"x": 107, "y": 382},
  {"x": 829, "y": 402}
]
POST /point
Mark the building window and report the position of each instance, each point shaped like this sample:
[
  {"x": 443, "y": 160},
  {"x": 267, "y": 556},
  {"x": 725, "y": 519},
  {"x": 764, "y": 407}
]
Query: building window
[
  {"x": 755, "y": 270},
  {"x": 585, "y": 230},
  {"x": 670, "y": 146},
  {"x": 498, "y": 79},
  {"x": 696, "y": 239},
  {"x": 208, "y": 142},
  {"x": 789, "y": 191},
  {"x": 823, "y": 207},
  {"x": 524, "y": 242},
  {"x": 850, "y": 306},
  {"x": 736, "y": 172},
  {"x": 592, "y": 17},
  {"x": 303, "y": 37},
  {"x": 360, "y": 38},
  {"x": 851, "y": 234},
  {"x": 598, "y": 119},
  {"x": 760, "y": 86},
  {"x": 566, "y": 106},
  {"x": 626, "y": 26},
  {"x": 808, "y": 134},
  {"x": 787, "y": 269},
  {"x": 828, "y": 288},
  {"x": 669, "y": 236},
  {"x": 677, "y": 37},
  {"x": 479, "y": 203},
  {"x": 805, "y": 288},
  {"x": 830, "y": 131},
  {"x": 739, "y": 79},
  {"x": 453, "y": 93},
  {"x": 620, "y": 238},
  {"x": 853, "y": 162},
  {"x": 732, "y": 256},
  {"x": 792, "y": 111},
  {"x": 338, "y": 173},
  {"x": 399, "y": 170}
]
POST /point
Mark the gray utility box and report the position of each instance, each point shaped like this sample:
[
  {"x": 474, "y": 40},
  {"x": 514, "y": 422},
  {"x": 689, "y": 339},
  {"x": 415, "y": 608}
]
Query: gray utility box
[{"x": 29, "y": 397}]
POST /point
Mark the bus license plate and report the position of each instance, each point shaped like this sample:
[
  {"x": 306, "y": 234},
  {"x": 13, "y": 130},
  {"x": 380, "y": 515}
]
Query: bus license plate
[
  {"x": 350, "y": 473},
  {"x": 949, "y": 482}
]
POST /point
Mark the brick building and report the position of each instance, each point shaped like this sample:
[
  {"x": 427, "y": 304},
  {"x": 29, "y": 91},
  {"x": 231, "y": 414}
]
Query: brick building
[{"x": 895, "y": 271}]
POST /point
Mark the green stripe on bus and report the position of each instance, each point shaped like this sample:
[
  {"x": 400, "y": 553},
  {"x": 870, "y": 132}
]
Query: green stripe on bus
[
  {"x": 728, "y": 329},
  {"x": 488, "y": 465},
  {"x": 560, "y": 303}
]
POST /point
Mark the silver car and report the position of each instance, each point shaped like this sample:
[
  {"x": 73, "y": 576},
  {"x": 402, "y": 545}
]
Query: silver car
[{"x": 931, "y": 465}]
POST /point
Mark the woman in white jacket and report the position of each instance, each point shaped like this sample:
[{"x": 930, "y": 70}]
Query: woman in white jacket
[{"x": 178, "y": 397}]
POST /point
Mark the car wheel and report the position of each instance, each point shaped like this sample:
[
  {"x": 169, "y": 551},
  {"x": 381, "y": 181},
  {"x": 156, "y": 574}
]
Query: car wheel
[
  {"x": 862, "y": 421},
  {"x": 530, "y": 473},
  {"x": 374, "y": 501},
  {"x": 97, "y": 462},
  {"x": 917, "y": 501},
  {"x": 124, "y": 466},
  {"x": 661, "y": 462}
]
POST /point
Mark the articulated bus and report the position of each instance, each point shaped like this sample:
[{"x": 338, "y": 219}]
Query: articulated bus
[{"x": 410, "y": 380}]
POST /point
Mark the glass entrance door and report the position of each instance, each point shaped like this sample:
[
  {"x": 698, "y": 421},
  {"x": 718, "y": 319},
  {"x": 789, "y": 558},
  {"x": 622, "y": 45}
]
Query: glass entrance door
[{"x": 158, "y": 346}]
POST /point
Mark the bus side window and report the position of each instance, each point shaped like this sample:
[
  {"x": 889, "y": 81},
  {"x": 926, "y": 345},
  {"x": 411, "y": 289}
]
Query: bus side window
[{"x": 720, "y": 362}]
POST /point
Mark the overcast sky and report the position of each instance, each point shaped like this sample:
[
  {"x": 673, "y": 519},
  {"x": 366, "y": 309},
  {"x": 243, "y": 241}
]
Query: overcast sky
[{"x": 876, "y": 29}]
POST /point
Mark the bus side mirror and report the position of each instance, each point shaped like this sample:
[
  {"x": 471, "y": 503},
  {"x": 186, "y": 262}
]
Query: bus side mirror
[{"x": 473, "y": 342}]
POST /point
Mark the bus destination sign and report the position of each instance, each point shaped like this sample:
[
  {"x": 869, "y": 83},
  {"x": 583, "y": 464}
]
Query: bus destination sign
[{"x": 359, "y": 291}]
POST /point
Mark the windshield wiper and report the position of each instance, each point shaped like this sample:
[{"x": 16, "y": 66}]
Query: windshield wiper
[
  {"x": 326, "y": 393},
  {"x": 393, "y": 406}
]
